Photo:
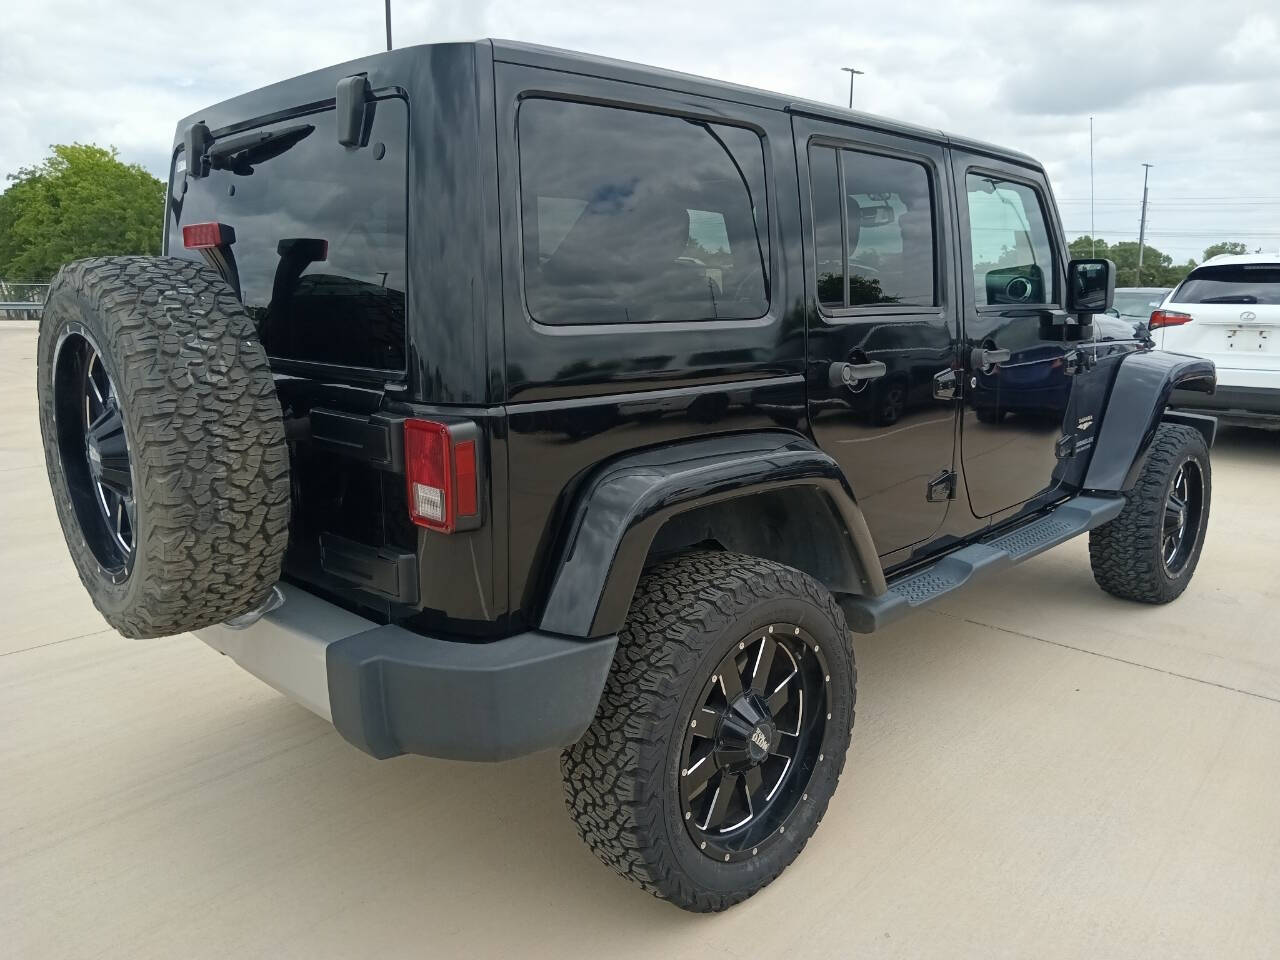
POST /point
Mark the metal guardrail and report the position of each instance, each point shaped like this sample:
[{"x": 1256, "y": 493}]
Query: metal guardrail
[{"x": 22, "y": 300}]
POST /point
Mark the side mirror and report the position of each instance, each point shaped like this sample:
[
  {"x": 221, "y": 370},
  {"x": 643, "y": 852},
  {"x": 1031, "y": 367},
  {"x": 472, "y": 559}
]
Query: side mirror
[{"x": 1091, "y": 287}]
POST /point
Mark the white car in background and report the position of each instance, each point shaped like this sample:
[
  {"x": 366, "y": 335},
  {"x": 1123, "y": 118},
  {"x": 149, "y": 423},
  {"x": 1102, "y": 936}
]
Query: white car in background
[{"x": 1228, "y": 311}]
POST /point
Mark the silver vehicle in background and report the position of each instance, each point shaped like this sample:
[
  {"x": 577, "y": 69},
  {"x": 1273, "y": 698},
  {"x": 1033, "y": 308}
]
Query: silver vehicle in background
[{"x": 1137, "y": 303}]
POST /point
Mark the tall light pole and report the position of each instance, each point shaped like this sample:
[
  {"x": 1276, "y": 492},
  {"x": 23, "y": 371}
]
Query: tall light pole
[
  {"x": 1093, "y": 230},
  {"x": 387, "y": 4},
  {"x": 849, "y": 70},
  {"x": 1142, "y": 223}
]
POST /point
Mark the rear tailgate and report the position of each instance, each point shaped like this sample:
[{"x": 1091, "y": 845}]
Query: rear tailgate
[
  {"x": 1235, "y": 316},
  {"x": 312, "y": 234}
]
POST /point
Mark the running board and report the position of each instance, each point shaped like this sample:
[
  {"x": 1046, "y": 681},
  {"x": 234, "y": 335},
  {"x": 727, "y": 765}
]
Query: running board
[{"x": 915, "y": 589}]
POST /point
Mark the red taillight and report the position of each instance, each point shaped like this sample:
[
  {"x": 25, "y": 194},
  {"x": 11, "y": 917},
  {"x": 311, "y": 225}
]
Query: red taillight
[
  {"x": 1168, "y": 318},
  {"x": 441, "y": 473},
  {"x": 464, "y": 471},
  {"x": 201, "y": 236}
]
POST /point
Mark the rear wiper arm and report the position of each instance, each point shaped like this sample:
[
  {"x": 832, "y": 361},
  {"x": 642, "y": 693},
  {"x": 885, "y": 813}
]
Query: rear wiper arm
[
  {"x": 239, "y": 154},
  {"x": 1234, "y": 298}
]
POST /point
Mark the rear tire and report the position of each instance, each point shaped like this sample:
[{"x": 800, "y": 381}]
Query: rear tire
[
  {"x": 169, "y": 468},
  {"x": 628, "y": 781},
  {"x": 1149, "y": 553}
]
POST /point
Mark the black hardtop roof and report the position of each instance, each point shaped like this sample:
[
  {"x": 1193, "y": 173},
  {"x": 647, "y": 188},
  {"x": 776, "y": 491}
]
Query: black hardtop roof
[
  {"x": 531, "y": 54},
  {"x": 234, "y": 112}
]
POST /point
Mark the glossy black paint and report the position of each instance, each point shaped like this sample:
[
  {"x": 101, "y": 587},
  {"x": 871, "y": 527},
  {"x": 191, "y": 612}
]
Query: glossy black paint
[
  {"x": 623, "y": 505},
  {"x": 1143, "y": 385},
  {"x": 596, "y": 433},
  {"x": 890, "y": 435},
  {"x": 1016, "y": 408}
]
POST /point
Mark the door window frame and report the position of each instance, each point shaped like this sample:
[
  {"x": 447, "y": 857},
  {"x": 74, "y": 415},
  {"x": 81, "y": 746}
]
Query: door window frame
[
  {"x": 940, "y": 288},
  {"x": 1037, "y": 185}
]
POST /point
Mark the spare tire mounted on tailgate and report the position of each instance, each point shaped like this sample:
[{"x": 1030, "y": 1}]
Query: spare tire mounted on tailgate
[{"x": 164, "y": 443}]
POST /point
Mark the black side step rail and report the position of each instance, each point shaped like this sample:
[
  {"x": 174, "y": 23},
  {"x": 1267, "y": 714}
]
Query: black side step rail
[{"x": 922, "y": 586}]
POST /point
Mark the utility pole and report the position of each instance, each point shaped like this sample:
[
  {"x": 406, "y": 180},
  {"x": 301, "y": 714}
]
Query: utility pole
[
  {"x": 388, "y": 6},
  {"x": 1093, "y": 230},
  {"x": 849, "y": 70},
  {"x": 1142, "y": 224}
]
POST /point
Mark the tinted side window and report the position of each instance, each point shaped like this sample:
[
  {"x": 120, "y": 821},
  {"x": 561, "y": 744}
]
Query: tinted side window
[
  {"x": 873, "y": 224},
  {"x": 320, "y": 237},
  {"x": 828, "y": 224},
  {"x": 639, "y": 217},
  {"x": 1013, "y": 260}
]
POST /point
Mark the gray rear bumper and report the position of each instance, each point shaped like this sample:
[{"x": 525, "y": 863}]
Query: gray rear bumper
[{"x": 391, "y": 691}]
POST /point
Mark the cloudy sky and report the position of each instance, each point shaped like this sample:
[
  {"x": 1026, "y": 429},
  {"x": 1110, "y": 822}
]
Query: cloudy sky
[{"x": 1191, "y": 87}]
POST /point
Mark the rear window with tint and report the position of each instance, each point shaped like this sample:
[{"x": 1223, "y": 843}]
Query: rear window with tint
[
  {"x": 1237, "y": 283},
  {"x": 319, "y": 237},
  {"x": 631, "y": 217}
]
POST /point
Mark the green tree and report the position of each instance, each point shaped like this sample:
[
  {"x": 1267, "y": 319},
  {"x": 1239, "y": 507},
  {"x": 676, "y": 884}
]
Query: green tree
[
  {"x": 1083, "y": 248},
  {"x": 82, "y": 201},
  {"x": 1158, "y": 268},
  {"x": 1226, "y": 246}
]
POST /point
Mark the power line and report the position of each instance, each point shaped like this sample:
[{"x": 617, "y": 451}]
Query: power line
[
  {"x": 1187, "y": 234},
  {"x": 1170, "y": 197}
]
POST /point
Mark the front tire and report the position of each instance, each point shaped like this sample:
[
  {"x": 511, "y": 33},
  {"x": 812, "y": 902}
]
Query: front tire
[
  {"x": 1150, "y": 552},
  {"x": 721, "y": 733}
]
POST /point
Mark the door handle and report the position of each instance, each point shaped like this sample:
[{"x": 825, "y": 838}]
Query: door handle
[
  {"x": 851, "y": 374},
  {"x": 983, "y": 358}
]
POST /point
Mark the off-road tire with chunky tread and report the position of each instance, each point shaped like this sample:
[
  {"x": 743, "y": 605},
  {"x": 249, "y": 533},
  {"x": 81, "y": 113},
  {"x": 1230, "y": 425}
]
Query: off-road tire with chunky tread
[
  {"x": 1125, "y": 553},
  {"x": 620, "y": 779},
  {"x": 205, "y": 435}
]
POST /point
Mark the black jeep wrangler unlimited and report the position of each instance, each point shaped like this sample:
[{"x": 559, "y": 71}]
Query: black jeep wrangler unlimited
[{"x": 491, "y": 398}]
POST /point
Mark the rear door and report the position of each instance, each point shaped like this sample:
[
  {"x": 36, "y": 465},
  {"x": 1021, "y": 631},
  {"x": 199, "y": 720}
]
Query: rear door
[
  {"x": 883, "y": 321},
  {"x": 1235, "y": 316}
]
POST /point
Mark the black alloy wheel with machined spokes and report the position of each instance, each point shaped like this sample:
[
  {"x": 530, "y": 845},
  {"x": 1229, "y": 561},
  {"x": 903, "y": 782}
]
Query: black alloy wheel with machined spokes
[
  {"x": 95, "y": 452},
  {"x": 1150, "y": 551},
  {"x": 1183, "y": 508},
  {"x": 721, "y": 733},
  {"x": 753, "y": 741}
]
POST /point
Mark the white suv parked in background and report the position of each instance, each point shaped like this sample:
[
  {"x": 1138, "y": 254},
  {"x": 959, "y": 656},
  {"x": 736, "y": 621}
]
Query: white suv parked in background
[{"x": 1228, "y": 311}]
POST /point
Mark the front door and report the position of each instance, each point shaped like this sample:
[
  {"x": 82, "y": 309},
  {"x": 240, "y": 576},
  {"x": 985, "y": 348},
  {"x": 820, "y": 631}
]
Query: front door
[
  {"x": 882, "y": 321},
  {"x": 1020, "y": 363}
]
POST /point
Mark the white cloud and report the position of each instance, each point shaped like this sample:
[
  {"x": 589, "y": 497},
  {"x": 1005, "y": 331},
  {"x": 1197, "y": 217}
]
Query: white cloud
[{"x": 1187, "y": 87}]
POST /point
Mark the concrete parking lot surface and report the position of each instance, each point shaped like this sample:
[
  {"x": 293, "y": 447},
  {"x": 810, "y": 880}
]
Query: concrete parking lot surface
[{"x": 1038, "y": 770}]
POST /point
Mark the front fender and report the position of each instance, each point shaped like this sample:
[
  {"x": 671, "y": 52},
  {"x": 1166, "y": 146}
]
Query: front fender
[
  {"x": 1144, "y": 383},
  {"x": 623, "y": 505}
]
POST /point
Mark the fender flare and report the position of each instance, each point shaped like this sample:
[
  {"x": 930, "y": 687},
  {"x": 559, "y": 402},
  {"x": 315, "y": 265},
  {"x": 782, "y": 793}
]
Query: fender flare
[
  {"x": 624, "y": 504},
  {"x": 1140, "y": 394}
]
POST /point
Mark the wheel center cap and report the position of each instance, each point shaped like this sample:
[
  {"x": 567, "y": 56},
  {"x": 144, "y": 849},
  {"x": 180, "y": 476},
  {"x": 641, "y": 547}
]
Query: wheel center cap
[
  {"x": 95, "y": 457},
  {"x": 747, "y": 733},
  {"x": 759, "y": 744}
]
